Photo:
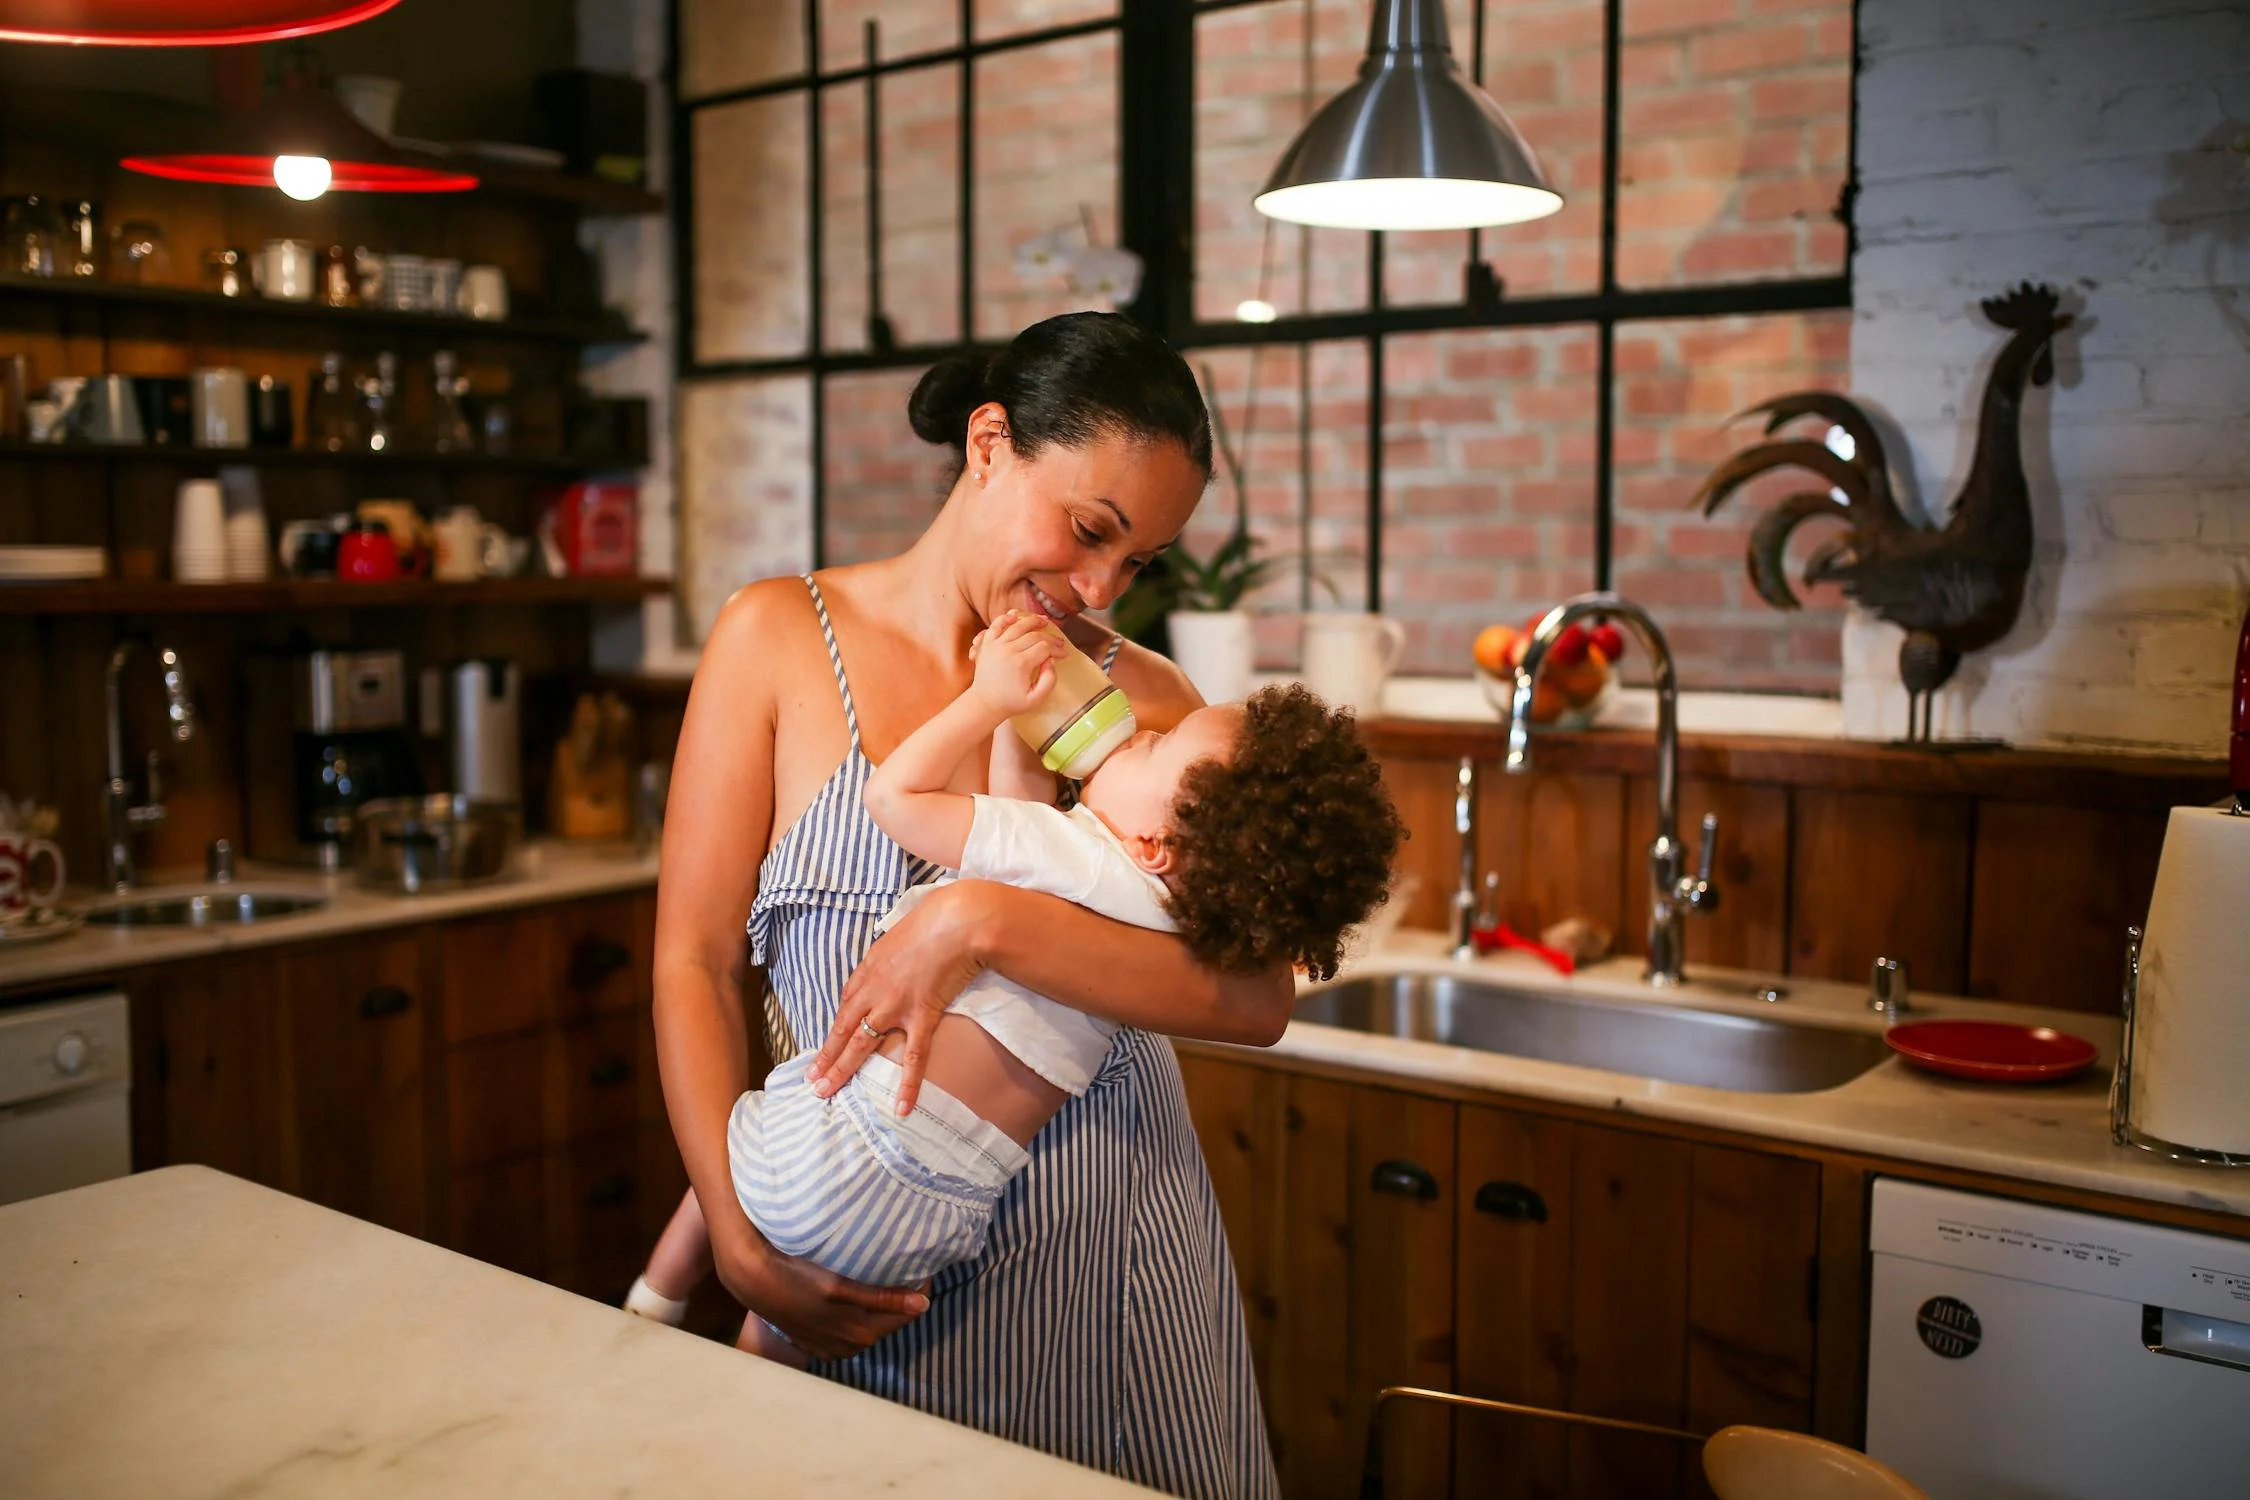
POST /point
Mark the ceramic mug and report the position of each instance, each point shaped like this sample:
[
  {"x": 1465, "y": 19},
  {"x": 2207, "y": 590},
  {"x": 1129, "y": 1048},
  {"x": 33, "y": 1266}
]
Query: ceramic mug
[
  {"x": 1348, "y": 658},
  {"x": 468, "y": 546},
  {"x": 18, "y": 854},
  {"x": 484, "y": 293}
]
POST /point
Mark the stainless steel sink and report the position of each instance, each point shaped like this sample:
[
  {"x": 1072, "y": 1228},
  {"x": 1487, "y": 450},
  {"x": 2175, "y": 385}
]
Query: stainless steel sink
[
  {"x": 205, "y": 909},
  {"x": 1749, "y": 1054}
]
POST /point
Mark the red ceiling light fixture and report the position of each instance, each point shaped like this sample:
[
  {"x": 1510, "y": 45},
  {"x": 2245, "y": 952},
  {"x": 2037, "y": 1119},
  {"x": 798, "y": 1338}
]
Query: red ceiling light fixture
[
  {"x": 305, "y": 143},
  {"x": 177, "y": 23}
]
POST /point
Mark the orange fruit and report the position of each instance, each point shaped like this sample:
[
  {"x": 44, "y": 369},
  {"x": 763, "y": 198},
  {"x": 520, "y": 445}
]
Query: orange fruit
[{"x": 1491, "y": 648}]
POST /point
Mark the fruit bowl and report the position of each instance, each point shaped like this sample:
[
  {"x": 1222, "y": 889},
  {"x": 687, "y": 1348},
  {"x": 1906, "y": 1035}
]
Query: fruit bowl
[{"x": 1500, "y": 692}]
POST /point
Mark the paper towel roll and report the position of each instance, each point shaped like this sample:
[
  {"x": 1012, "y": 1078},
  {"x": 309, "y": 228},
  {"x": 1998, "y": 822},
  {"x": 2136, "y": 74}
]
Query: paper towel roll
[{"x": 2191, "y": 1048}]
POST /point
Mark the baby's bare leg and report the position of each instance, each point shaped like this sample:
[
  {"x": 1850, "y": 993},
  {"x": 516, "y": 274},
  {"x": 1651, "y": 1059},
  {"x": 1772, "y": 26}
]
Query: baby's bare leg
[{"x": 676, "y": 1267}]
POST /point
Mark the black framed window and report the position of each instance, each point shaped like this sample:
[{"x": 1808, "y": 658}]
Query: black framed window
[{"x": 1446, "y": 458}]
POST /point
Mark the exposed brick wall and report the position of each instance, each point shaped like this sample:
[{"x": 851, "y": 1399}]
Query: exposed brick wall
[
  {"x": 1489, "y": 443},
  {"x": 884, "y": 484},
  {"x": 2082, "y": 142},
  {"x": 1677, "y": 384}
]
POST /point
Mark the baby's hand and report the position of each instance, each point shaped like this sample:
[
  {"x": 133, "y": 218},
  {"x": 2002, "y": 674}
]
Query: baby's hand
[{"x": 1015, "y": 660}]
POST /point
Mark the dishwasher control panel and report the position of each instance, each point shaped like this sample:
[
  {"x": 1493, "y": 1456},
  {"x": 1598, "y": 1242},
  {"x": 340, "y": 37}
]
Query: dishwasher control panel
[
  {"x": 61, "y": 1048},
  {"x": 2055, "y": 1247}
]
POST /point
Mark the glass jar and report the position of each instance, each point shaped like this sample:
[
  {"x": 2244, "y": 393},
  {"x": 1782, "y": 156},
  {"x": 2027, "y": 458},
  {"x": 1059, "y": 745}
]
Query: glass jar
[
  {"x": 1081, "y": 720},
  {"x": 80, "y": 253},
  {"x": 34, "y": 235}
]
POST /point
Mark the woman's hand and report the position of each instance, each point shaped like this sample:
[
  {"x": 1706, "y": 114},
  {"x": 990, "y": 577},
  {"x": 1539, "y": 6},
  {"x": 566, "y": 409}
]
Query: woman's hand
[
  {"x": 905, "y": 984},
  {"x": 821, "y": 1315}
]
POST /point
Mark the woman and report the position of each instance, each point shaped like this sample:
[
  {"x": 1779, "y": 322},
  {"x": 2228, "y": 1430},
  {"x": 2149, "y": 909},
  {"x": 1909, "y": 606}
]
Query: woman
[{"x": 1102, "y": 1323}]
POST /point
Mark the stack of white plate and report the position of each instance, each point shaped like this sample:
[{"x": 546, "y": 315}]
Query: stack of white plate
[{"x": 51, "y": 564}]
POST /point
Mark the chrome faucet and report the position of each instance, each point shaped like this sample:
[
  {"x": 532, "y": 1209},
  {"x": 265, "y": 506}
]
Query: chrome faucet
[
  {"x": 125, "y": 819},
  {"x": 1465, "y": 889},
  {"x": 1673, "y": 893}
]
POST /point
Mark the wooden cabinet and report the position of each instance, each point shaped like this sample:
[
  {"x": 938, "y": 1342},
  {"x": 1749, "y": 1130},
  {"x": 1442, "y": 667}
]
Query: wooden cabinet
[
  {"x": 1385, "y": 1238},
  {"x": 560, "y": 1164},
  {"x": 489, "y": 1083},
  {"x": 297, "y": 1067}
]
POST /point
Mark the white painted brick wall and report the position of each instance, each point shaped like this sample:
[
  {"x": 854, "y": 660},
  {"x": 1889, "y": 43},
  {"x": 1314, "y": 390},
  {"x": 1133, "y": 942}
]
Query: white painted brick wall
[{"x": 2084, "y": 143}]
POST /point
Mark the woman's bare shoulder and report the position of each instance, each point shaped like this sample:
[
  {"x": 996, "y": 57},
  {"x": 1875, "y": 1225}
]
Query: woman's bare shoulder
[
  {"x": 1161, "y": 692},
  {"x": 763, "y": 627}
]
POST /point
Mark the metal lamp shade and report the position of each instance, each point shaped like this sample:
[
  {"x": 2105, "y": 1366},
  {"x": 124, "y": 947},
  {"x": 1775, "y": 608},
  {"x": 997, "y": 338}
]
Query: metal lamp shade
[
  {"x": 302, "y": 120},
  {"x": 1411, "y": 145},
  {"x": 171, "y": 23}
]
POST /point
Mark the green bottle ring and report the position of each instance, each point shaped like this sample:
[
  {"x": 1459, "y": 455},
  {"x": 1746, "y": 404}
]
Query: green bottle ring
[{"x": 1103, "y": 715}]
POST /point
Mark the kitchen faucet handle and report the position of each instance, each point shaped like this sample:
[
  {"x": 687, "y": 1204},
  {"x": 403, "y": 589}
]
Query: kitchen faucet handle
[
  {"x": 1488, "y": 910},
  {"x": 1698, "y": 893}
]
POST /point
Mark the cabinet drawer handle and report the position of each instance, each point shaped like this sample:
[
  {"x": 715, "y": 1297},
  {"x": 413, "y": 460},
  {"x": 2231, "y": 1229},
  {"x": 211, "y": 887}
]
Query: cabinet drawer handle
[
  {"x": 384, "y": 1000},
  {"x": 609, "y": 1072},
  {"x": 1511, "y": 1200},
  {"x": 594, "y": 960},
  {"x": 611, "y": 1190},
  {"x": 1405, "y": 1179}
]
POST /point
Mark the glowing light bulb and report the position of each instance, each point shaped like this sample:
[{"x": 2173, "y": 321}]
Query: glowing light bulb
[
  {"x": 1254, "y": 310},
  {"x": 301, "y": 177}
]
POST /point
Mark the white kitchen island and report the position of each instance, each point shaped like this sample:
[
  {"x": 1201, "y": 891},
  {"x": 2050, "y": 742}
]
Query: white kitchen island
[{"x": 186, "y": 1333}]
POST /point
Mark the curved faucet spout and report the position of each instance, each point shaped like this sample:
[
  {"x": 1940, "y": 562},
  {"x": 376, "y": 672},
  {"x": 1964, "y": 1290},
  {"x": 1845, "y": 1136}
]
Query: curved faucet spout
[{"x": 1673, "y": 892}]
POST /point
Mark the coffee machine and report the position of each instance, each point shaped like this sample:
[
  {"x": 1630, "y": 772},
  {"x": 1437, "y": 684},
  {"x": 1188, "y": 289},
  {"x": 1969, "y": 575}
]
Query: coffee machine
[{"x": 346, "y": 742}]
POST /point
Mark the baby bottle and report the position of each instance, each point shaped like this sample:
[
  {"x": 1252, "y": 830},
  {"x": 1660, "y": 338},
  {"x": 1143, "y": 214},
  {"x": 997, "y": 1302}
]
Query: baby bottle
[{"x": 1082, "y": 718}]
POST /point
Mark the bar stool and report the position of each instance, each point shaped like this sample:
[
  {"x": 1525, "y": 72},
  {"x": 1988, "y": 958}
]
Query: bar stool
[{"x": 1742, "y": 1463}]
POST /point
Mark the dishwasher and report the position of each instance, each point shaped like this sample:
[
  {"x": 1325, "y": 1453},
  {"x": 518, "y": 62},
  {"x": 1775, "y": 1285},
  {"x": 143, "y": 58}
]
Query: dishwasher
[
  {"x": 66, "y": 1076},
  {"x": 2017, "y": 1351}
]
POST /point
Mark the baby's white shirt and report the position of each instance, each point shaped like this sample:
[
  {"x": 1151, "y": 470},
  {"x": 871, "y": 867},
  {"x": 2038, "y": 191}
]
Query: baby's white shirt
[{"x": 1072, "y": 855}]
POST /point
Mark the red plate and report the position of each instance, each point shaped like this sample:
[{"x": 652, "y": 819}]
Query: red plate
[{"x": 1993, "y": 1051}]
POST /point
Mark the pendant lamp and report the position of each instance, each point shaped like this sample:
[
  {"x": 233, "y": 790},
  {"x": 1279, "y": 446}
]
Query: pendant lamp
[
  {"x": 305, "y": 143},
  {"x": 177, "y": 23},
  {"x": 1411, "y": 145}
]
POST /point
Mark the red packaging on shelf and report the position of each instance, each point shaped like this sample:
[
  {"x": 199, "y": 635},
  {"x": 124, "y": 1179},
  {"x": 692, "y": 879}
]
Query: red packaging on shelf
[{"x": 595, "y": 527}]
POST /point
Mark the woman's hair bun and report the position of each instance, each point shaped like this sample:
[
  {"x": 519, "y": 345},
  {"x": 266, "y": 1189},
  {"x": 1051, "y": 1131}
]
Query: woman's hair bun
[{"x": 945, "y": 395}]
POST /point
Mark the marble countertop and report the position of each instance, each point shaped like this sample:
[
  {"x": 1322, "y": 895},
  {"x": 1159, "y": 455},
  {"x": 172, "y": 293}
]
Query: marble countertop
[
  {"x": 184, "y": 1332},
  {"x": 2051, "y": 1133},
  {"x": 547, "y": 870}
]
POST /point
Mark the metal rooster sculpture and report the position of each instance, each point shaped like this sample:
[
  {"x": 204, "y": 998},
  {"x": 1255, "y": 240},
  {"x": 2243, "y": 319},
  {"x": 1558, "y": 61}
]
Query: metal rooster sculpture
[{"x": 1953, "y": 589}]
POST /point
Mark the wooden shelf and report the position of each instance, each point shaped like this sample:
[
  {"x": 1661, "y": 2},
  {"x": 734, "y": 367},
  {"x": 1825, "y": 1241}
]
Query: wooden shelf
[
  {"x": 310, "y": 458},
  {"x": 429, "y": 327},
  {"x": 1995, "y": 772},
  {"x": 110, "y": 596}
]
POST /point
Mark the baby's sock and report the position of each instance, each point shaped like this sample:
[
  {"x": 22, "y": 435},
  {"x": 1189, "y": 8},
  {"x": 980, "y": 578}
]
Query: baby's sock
[{"x": 647, "y": 1302}]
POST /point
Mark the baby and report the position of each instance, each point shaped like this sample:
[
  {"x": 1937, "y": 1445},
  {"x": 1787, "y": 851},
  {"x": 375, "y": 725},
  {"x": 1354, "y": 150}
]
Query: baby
[{"x": 1260, "y": 832}]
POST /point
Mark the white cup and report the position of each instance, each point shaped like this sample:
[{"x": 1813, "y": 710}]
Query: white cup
[
  {"x": 18, "y": 853},
  {"x": 484, "y": 293},
  {"x": 286, "y": 270},
  {"x": 199, "y": 536},
  {"x": 220, "y": 402},
  {"x": 1348, "y": 658}
]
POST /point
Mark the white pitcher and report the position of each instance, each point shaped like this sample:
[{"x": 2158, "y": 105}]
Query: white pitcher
[{"x": 1348, "y": 658}]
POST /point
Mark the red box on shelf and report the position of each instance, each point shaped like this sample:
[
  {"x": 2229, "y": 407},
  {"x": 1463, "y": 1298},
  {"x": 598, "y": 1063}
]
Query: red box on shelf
[{"x": 595, "y": 528}]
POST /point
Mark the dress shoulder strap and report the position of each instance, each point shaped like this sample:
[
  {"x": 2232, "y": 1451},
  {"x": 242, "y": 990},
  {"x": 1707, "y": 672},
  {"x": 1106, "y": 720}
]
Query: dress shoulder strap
[
  {"x": 835, "y": 661},
  {"x": 1109, "y": 657}
]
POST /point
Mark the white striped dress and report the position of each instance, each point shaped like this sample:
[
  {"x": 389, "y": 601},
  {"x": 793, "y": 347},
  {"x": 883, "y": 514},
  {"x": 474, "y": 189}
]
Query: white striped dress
[{"x": 1102, "y": 1324}]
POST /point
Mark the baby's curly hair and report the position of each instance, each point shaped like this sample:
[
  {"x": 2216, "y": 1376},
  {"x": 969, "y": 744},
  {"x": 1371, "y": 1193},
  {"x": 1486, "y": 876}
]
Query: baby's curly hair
[{"x": 1286, "y": 845}]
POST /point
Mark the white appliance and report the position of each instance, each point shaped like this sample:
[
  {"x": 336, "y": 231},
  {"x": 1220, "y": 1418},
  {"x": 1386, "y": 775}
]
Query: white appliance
[
  {"x": 66, "y": 1074},
  {"x": 2017, "y": 1351}
]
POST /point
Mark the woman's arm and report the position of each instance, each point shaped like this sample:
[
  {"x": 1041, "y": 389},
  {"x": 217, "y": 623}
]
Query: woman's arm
[
  {"x": 722, "y": 815},
  {"x": 1131, "y": 975}
]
